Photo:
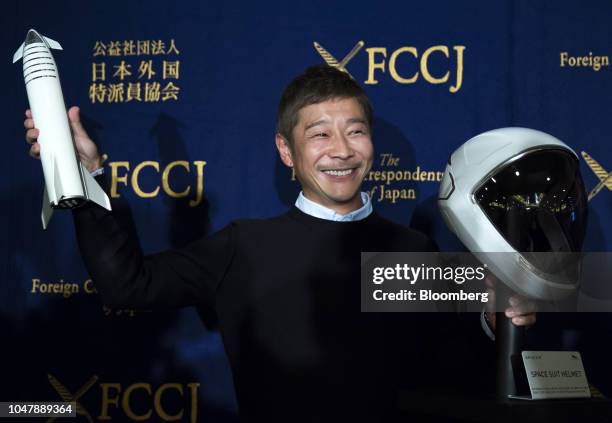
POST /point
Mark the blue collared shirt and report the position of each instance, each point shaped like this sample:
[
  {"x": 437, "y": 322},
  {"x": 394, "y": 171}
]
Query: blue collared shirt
[{"x": 316, "y": 210}]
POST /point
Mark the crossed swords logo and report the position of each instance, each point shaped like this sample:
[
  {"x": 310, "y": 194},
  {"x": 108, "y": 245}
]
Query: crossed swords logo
[
  {"x": 68, "y": 397},
  {"x": 605, "y": 178},
  {"x": 331, "y": 60}
]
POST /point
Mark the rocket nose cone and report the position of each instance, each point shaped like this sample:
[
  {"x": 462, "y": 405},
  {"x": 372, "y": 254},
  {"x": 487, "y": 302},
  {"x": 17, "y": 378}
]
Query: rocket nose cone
[{"x": 33, "y": 37}]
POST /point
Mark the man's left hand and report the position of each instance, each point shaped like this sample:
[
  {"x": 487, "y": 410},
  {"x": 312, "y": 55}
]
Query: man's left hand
[{"x": 521, "y": 310}]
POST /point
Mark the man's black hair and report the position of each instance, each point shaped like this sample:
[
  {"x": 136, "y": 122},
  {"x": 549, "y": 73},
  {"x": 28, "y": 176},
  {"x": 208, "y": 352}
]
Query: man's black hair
[{"x": 317, "y": 84}]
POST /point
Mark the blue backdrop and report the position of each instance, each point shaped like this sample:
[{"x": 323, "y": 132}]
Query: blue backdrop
[{"x": 182, "y": 96}]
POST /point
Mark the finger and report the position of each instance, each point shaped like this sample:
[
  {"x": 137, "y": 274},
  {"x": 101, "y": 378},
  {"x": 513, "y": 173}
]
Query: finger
[
  {"x": 28, "y": 113},
  {"x": 527, "y": 320},
  {"x": 516, "y": 299},
  {"x": 35, "y": 150},
  {"x": 74, "y": 116},
  {"x": 521, "y": 310},
  {"x": 28, "y": 123},
  {"x": 32, "y": 135}
]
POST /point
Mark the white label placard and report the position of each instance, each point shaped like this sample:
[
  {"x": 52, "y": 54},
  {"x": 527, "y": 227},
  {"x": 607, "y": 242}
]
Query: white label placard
[{"x": 555, "y": 374}]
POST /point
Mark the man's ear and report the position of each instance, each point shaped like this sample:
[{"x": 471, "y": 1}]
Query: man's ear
[{"x": 284, "y": 151}]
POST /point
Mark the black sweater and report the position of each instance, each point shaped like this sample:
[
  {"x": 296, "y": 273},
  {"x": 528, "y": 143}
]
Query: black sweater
[{"x": 286, "y": 292}]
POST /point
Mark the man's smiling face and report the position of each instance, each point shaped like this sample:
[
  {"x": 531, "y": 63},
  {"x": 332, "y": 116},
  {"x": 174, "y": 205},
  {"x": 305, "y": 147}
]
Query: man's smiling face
[{"x": 331, "y": 152}]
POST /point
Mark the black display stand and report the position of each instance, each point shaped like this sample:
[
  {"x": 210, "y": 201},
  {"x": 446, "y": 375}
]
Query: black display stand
[
  {"x": 441, "y": 406},
  {"x": 508, "y": 343}
]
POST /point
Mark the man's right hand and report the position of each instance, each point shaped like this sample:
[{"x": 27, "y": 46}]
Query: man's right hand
[{"x": 88, "y": 152}]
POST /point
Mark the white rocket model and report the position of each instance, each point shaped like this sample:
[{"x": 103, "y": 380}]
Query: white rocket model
[{"x": 67, "y": 183}]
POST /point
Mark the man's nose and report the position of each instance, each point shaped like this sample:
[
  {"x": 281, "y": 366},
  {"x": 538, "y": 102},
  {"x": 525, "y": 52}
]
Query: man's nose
[{"x": 340, "y": 147}]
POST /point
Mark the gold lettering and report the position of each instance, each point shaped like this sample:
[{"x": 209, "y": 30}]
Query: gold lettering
[
  {"x": 158, "y": 406},
  {"x": 118, "y": 177},
  {"x": 372, "y": 191},
  {"x": 135, "y": 174},
  {"x": 193, "y": 387},
  {"x": 200, "y": 183},
  {"x": 115, "y": 178},
  {"x": 35, "y": 285},
  {"x": 89, "y": 288},
  {"x": 425, "y": 70},
  {"x": 459, "y": 82},
  {"x": 166, "y": 183},
  {"x": 125, "y": 402},
  {"x": 393, "y": 70},
  {"x": 107, "y": 400},
  {"x": 372, "y": 65},
  {"x": 415, "y": 174},
  {"x": 393, "y": 195},
  {"x": 61, "y": 287},
  {"x": 594, "y": 62},
  {"x": 98, "y": 72}
]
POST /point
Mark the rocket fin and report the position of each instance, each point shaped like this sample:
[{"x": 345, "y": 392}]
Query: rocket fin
[
  {"x": 52, "y": 43},
  {"x": 19, "y": 53},
  {"x": 95, "y": 193},
  {"x": 47, "y": 210}
]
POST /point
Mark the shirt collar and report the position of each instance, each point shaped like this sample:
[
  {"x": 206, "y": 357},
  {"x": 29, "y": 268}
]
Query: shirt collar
[{"x": 316, "y": 210}]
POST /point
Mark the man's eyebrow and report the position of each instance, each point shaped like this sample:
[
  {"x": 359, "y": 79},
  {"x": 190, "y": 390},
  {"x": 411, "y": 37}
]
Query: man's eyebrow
[
  {"x": 318, "y": 122},
  {"x": 356, "y": 120},
  {"x": 322, "y": 121}
]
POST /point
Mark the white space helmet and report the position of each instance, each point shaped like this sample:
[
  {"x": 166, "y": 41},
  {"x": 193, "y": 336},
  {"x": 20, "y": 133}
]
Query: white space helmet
[{"x": 518, "y": 191}]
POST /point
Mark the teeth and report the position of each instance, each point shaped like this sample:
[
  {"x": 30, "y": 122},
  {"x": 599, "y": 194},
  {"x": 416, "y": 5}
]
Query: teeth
[{"x": 338, "y": 172}]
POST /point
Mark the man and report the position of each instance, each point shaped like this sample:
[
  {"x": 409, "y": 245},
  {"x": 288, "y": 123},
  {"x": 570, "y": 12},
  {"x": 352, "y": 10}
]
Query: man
[{"x": 286, "y": 290}]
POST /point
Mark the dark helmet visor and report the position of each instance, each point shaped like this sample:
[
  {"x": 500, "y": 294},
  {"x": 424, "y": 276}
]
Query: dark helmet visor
[{"x": 538, "y": 203}]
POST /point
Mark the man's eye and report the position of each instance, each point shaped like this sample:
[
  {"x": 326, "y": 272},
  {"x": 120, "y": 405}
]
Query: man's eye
[
  {"x": 357, "y": 132},
  {"x": 320, "y": 135}
]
